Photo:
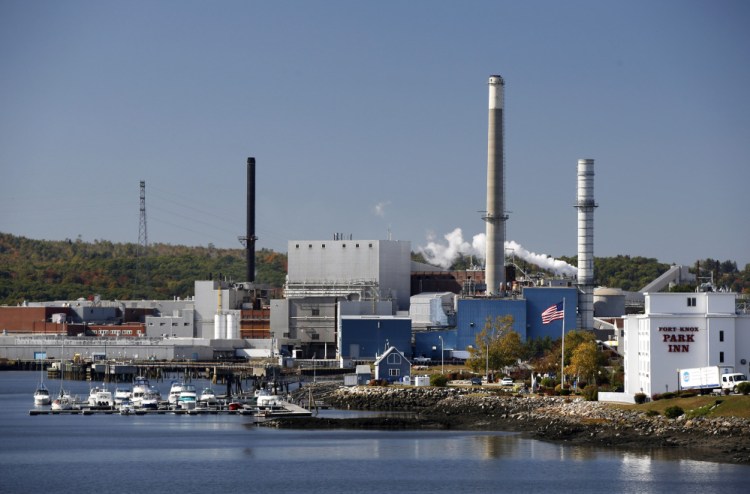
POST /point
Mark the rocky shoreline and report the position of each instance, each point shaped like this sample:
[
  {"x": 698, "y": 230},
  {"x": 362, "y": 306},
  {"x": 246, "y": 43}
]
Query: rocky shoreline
[{"x": 560, "y": 419}]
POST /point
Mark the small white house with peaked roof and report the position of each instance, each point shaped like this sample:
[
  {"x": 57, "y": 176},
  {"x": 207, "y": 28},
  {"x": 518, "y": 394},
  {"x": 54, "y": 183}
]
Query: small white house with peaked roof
[{"x": 392, "y": 366}]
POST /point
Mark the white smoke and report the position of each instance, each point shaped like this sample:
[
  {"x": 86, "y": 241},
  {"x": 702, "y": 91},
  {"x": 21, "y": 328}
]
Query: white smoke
[
  {"x": 542, "y": 260},
  {"x": 444, "y": 255},
  {"x": 379, "y": 208}
]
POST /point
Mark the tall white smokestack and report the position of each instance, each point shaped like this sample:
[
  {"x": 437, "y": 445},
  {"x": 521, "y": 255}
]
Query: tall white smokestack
[
  {"x": 495, "y": 250},
  {"x": 585, "y": 205}
]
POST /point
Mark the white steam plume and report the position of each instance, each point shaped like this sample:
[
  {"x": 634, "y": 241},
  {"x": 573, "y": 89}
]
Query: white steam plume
[
  {"x": 542, "y": 260},
  {"x": 443, "y": 255}
]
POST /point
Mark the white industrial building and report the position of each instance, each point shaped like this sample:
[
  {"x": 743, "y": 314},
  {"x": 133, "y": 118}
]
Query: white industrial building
[
  {"x": 432, "y": 310},
  {"x": 355, "y": 269},
  {"x": 330, "y": 278},
  {"x": 679, "y": 331}
]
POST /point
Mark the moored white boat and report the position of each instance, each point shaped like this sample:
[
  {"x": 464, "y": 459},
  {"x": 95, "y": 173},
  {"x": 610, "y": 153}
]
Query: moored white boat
[
  {"x": 188, "y": 397},
  {"x": 101, "y": 397},
  {"x": 150, "y": 400},
  {"x": 264, "y": 399},
  {"x": 141, "y": 386},
  {"x": 208, "y": 397},
  {"x": 64, "y": 401},
  {"x": 127, "y": 407},
  {"x": 41, "y": 395},
  {"x": 174, "y": 392},
  {"x": 122, "y": 394}
]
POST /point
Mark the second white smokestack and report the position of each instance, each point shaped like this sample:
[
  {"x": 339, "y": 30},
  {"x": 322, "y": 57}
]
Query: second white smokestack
[
  {"x": 585, "y": 204},
  {"x": 495, "y": 233}
]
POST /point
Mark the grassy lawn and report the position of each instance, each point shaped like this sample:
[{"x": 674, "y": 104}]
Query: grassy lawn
[{"x": 728, "y": 406}]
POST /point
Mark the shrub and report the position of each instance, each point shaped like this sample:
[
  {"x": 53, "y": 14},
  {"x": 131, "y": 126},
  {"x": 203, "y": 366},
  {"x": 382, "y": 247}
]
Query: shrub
[
  {"x": 673, "y": 412},
  {"x": 652, "y": 413},
  {"x": 590, "y": 393},
  {"x": 640, "y": 398},
  {"x": 700, "y": 412},
  {"x": 548, "y": 382},
  {"x": 744, "y": 388},
  {"x": 438, "y": 380},
  {"x": 561, "y": 391},
  {"x": 664, "y": 396},
  {"x": 688, "y": 394}
]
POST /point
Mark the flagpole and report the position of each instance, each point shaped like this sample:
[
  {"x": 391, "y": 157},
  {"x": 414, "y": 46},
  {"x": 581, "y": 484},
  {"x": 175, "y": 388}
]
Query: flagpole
[{"x": 562, "y": 357}]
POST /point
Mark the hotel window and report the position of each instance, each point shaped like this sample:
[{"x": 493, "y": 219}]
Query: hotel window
[
  {"x": 691, "y": 301},
  {"x": 721, "y": 335},
  {"x": 721, "y": 357},
  {"x": 394, "y": 372},
  {"x": 315, "y": 312}
]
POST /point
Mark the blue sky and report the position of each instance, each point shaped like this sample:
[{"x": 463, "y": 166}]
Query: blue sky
[{"x": 371, "y": 117}]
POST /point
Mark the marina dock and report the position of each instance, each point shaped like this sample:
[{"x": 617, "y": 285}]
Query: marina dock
[{"x": 287, "y": 410}]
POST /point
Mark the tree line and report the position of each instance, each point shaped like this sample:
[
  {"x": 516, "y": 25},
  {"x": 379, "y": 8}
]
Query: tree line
[{"x": 44, "y": 270}]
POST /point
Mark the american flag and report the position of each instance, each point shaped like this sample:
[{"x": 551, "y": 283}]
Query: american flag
[{"x": 555, "y": 311}]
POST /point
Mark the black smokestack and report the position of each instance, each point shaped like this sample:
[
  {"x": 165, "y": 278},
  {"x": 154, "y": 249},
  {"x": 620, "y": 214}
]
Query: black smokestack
[{"x": 251, "y": 220}]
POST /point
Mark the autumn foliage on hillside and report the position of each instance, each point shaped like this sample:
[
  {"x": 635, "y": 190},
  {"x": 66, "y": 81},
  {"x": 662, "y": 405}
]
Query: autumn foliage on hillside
[{"x": 42, "y": 270}]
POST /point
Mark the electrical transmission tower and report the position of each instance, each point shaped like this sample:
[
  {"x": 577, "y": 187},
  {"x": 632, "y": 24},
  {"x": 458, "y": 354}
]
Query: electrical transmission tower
[{"x": 141, "y": 275}]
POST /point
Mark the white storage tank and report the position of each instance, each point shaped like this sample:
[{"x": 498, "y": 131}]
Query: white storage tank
[
  {"x": 609, "y": 302},
  {"x": 231, "y": 327},
  {"x": 219, "y": 327}
]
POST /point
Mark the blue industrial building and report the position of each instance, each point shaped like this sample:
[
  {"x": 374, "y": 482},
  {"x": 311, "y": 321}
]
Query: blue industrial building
[
  {"x": 472, "y": 315},
  {"x": 539, "y": 299},
  {"x": 367, "y": 337}
]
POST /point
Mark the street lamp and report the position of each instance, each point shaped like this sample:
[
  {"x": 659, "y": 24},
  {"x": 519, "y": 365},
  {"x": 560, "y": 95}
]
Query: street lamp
[
  {"x": 442, "y": 354},
  {"x": 487, "y": 366}
]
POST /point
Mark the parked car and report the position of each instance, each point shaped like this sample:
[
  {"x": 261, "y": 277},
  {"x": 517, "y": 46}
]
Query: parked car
[
  {"x": 476, "y": 381},
  {"x": 507, "y": 381}
]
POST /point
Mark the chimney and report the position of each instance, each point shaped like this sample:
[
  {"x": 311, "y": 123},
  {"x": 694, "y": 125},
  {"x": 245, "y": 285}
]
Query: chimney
[
  {"x": 495, "y": 217},
  {"x": 251, "y": 238},
  {"x": 585, "y": 205}
]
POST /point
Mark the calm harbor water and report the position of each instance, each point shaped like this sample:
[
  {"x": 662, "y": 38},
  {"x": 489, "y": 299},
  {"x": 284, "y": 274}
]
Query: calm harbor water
[{"x": 222, "y": 453}]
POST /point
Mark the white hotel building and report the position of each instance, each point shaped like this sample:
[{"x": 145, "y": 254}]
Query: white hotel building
[{"x": 679, "y": 331}]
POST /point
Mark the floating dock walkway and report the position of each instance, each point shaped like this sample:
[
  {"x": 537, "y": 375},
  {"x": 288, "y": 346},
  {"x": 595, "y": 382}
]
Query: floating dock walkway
[{"x": 287, "y": 410}]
